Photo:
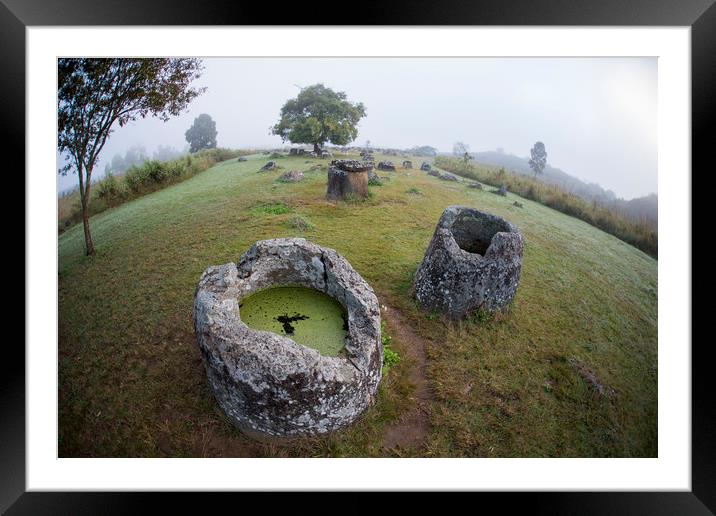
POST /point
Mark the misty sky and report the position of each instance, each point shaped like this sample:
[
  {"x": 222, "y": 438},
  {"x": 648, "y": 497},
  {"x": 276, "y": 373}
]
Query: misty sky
[{"x": 596, "y": 116}]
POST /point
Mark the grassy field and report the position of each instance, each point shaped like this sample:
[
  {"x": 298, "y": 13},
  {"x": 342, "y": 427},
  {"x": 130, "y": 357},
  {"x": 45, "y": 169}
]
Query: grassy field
[{"x": 131, "y": 381}]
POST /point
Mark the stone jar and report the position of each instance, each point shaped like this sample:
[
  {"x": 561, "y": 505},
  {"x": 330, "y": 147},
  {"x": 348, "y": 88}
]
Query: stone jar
[
  {"x": 474, "y": 260},
  {"x": 347, "y": 178},
  {"x": 266, "y": 383}
]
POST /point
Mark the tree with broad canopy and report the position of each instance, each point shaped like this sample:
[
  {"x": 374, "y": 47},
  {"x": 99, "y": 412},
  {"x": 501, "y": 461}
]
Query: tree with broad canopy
[
  {"x": 319, "y": 115},
  {"x": 202, "y": 133}
]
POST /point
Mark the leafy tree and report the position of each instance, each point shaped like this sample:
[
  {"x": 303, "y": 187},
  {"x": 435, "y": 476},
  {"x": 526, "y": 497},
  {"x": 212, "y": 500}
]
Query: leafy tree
[
  {"x": 319, "y": 115},
  {"x": 202, "y": 133},
  {"x": 459, "y": 149},
  {"x": 93, "y": 94},
  {"x": 424, "y": 150},
  {"x": 462, "y": 151},
  {"x": 118, "y": 164},
  {"x": 538, "y": 159},
  {"x": 165, "y": 153},
  {"x": 135, "y": 156}
]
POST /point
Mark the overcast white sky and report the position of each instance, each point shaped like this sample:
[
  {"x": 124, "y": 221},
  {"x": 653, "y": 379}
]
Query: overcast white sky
[{"x": 596, "y": 116}]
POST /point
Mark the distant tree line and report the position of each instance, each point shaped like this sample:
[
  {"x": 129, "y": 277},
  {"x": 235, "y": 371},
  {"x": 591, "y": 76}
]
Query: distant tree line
[
  {"x": 137, "y": 155},
  {"x": 423, "y": 150}
]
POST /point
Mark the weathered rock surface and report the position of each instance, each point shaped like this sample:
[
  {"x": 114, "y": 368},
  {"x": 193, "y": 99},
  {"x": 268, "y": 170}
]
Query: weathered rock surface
[
  {"x": 266, "y": 383},
  {"x": 502, "y": 190},
  {"x": 435, "y": 173},
  {"x": 386, "y": 165},
  {"x": 271, "y": 165},
  {"x": 407, "y": 164},
  {"x": 291, "y": 177},
  {"x": 425, "y": 166},
  {"x": 373, "y": 178},
  {"x": 448, "y": 177},
  {"x": 347, "y": 178},
  {"x": 477, "y": 186},
  {"x": 241, "y": 158},
  {"x": 474, "y": 260}
]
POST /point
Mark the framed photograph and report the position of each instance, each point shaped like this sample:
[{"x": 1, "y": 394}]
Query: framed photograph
[{"x": 418, "y": 256}]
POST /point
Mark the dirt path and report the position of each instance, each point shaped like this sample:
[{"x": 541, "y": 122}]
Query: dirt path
[{"x": 410, "y": 432}]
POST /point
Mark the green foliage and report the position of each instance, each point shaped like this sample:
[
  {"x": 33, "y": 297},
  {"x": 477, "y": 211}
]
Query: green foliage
[
  {"x": 390, "y": 356},
  {"x": 319, "y": 115},
  {"x": 156, "y": 171},
  {"x": 538, "y": 158},
  {"x": 424, "y": 151},
  {"x": 109, "y": 189},
  {"x": 300, "y": 223},
  {"x": 134, "y": 178},
  {"x": 277, "y": 208},
  {"x": 482, "y": 316},
  {"x": 201, "y": 134},
  {"x": 414, "y": 191},
  {"x": 638, "y": 234}
]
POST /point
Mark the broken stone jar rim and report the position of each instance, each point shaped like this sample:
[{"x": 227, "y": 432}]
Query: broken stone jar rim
[{"x": 448, "y": 224}]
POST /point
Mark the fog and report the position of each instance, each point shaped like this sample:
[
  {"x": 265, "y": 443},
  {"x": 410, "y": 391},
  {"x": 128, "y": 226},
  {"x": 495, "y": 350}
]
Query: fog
[{"x": 596, "y": 116}]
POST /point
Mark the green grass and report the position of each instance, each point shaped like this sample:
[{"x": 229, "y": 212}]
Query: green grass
[{"x": 131, "y": 380}]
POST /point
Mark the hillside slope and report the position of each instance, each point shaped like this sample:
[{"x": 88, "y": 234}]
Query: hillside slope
[
  {"x": 131, "y": 381},
  {"x": 639, "y": 208}
]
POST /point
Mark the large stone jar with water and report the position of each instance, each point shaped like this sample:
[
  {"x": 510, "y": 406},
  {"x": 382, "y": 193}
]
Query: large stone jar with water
[{"x": 268, "y": 383}]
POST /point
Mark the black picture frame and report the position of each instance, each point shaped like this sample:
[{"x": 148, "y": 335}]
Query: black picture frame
[{"x": 700, "y": 15}]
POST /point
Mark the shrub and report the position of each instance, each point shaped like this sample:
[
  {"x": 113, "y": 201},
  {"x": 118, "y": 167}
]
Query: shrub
[
  {"x": 175, "y": 169},
  {"x": 133, "y": 178},
  {"x": 155, "y": 171},
  {"x": 390, "y": 357},
  {"x": 108, "y": 188},
  {"x": 300, "y": 223},
  {"x": 277, "y": 208}
]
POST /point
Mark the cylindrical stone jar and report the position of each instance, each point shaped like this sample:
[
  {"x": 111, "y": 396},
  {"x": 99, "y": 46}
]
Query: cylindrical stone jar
[
  {"x": 474, "y": 260},
  {"x": 348, "y": 178},
  {"x": 269, "y": 385}
]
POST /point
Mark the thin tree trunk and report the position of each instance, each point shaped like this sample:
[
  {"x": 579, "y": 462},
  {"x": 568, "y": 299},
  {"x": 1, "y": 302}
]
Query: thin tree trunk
[
  {"x": 317, "y": 149},
  {"x": 85, "y": 222},
  {"x": 84, "y": 197}
]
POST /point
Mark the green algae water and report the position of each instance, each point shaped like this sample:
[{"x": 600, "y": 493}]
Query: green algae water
[{"x": 307, "y": 316}]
